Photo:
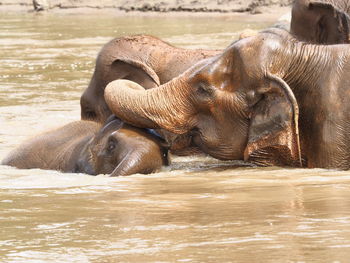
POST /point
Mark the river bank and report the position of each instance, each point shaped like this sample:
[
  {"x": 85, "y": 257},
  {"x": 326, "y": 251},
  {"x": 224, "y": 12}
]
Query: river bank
[
  {"x": 193, "y": 6},
  {"x": 273, "y": 13}
]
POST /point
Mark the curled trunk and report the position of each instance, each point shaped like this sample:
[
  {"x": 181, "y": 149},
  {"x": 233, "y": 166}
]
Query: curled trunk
[{"x": 164, "y": 107}]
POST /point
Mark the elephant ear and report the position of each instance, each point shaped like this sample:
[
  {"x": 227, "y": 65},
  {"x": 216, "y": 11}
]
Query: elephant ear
[
  {"x": 273, "y": 133},
  {"x": 138, "y": 72},
  {"x": 333, "y": 27}
]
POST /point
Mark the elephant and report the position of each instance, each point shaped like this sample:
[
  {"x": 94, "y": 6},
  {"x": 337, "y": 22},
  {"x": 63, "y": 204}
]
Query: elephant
[
  {"x": 88, "y": 147},
  {"x": 268, "y": 99},
  {"x": 321, "y": 21},
  {"x": 143, "y": 59}
]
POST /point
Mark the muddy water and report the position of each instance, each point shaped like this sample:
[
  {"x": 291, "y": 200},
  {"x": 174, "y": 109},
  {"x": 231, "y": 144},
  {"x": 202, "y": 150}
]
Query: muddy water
[{"x": 197, "y": 210}]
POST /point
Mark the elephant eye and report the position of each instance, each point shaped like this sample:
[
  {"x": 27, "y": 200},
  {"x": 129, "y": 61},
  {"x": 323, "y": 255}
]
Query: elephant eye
[
  {"x": 87, "y": 113},
  {"x": 90, "y": 115},
  {"x": 204, "y": 89},
  {"x": 111, "y": 146}
]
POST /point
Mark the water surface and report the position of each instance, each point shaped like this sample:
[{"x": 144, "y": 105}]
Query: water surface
[{"x": 197, "y": 210}]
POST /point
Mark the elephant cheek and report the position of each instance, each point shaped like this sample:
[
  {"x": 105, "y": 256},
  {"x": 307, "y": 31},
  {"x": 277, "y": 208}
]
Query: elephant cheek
[{"x": 83, "y": 166}]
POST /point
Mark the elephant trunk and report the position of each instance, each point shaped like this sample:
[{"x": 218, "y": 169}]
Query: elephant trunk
[{"x": 165, "y": 107}]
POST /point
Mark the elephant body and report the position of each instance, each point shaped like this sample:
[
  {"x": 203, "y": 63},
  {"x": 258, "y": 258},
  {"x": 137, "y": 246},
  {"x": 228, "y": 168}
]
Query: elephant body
[
  {"x": 321, "y": 21},
  {"x": 268, "y": 99},
  {"x": 299, "y": 93},
  {"x": 87, "y": 147}
]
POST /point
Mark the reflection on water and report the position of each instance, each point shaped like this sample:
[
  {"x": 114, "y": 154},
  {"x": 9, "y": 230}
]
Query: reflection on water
[{"x": 197, "y": 210}]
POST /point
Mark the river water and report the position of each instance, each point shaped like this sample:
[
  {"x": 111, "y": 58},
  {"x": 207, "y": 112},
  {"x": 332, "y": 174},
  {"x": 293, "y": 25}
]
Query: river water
[{"x": 197, "y": 210}]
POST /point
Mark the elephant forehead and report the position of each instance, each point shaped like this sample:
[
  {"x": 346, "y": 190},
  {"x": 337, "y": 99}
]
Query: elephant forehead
[
  {"x": 128, "y": 134},
  {"x": 217, "y": 73},
  {"x": 267, "y": 40},
  {"x": 270, "y": 44},
  {"x": 119, "y": 135}
]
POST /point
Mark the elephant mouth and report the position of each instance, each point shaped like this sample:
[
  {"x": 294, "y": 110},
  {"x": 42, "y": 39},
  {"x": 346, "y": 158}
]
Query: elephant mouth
[
  {"x": 217, "y": 147},
  {"x": 85, "y": 167},
  {"x": 204, "y": 144}
]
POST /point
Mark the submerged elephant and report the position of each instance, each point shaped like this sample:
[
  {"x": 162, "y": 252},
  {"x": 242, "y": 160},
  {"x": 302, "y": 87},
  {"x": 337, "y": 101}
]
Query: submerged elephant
[
  {"x": 143, "y": 59},
  {"x": 321, "y": 21},
  {"x": 117, "y": 149},
  {"x": 268, "y": 99}
]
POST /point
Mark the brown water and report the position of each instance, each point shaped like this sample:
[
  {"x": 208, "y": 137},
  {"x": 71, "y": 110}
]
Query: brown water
[{"x": 197, "y": 210}]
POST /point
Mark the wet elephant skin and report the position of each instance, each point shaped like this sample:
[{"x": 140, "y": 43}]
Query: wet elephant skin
[
  {"x": 321, "y": 21},
  {"x": 116, "y": 148},
  {"x": 269, "y": 99}
]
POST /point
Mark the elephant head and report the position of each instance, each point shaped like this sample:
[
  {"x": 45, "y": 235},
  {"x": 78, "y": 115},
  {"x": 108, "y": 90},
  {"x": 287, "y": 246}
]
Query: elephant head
[
  {"x": 119, "y": 149},
  {"x": 234, "y": 107},
  {"x": 113, "y": 62},
  {"x": 322, "y": 21}
]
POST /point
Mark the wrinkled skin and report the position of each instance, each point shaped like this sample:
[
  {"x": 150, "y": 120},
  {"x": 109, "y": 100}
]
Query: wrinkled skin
[
  {"x": 256, "y": 101},
  {"x": 85, "y": 147},
  {"x": 196, "y": 108},
  {"x": 143, "y": 59},
  {"x": 321, "y": 21}
]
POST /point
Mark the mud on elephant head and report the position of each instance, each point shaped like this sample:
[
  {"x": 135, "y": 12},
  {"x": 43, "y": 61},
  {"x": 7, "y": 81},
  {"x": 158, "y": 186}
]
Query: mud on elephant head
[
  {"x": 245, "y": 103},
  {"x": 321, "y": 21},
  {"x": 143, "y": 59}
]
